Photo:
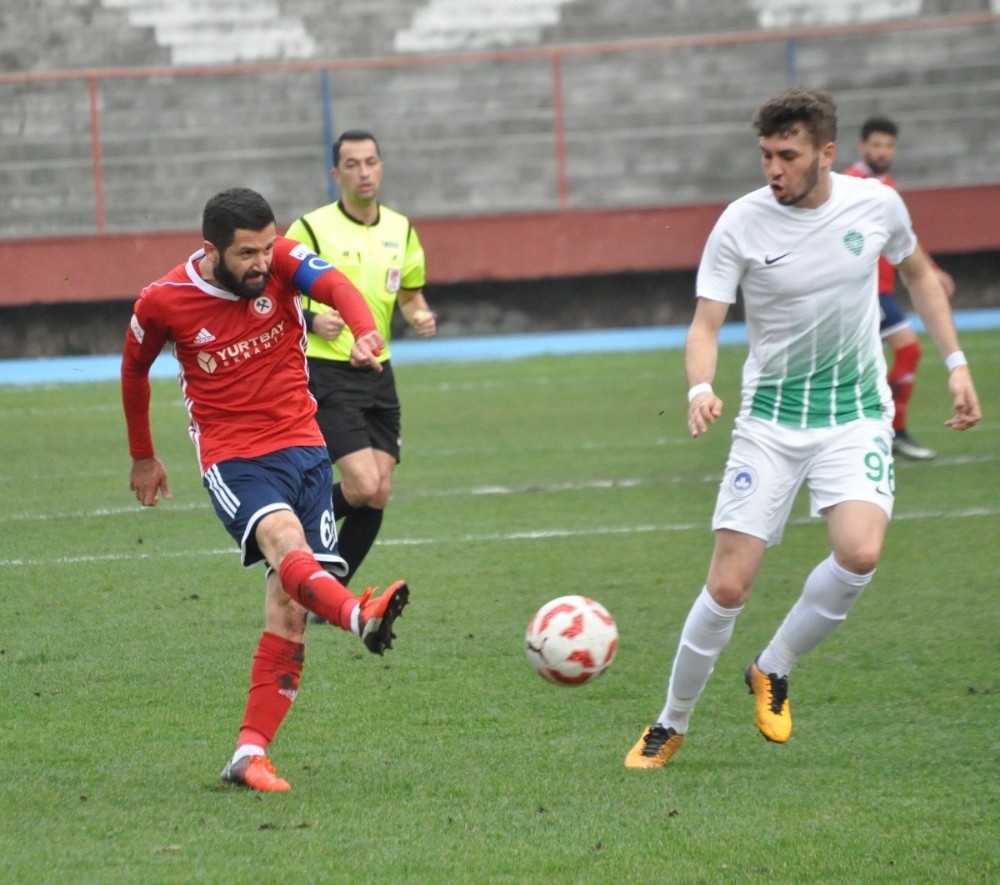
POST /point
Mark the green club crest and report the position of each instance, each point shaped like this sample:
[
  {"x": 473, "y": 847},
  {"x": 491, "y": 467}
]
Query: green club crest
[{"x": 854, "y": 241}]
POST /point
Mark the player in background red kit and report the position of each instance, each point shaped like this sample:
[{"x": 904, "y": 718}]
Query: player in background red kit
[
  {"x": 231, "y": 313},
  {"x": 877, "y": 149}
]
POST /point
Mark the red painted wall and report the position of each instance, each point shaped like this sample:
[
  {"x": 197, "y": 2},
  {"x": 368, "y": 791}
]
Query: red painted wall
[{"x": 496, "y": 247}]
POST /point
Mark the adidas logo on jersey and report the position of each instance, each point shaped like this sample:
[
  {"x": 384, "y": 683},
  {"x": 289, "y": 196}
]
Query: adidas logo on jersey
[{"x": 204, "y": 336}]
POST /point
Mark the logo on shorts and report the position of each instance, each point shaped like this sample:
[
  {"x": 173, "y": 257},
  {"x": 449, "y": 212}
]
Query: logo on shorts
[
  {"x": 743, "y": 482},
  {"x": 328, "y": 530},
  {"x": 207, "y": 362},
  {"x": 855, "y": 241},
  {"x": 882, "y": 446},
  {"x": 263, "y": 305}
]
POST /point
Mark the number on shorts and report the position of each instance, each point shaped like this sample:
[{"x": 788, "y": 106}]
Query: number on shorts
[{"x": 879, "y": 470}]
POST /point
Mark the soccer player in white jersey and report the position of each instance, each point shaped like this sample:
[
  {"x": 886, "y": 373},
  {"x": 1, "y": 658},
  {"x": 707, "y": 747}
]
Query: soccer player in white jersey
[{"x": 815, "y": 406}]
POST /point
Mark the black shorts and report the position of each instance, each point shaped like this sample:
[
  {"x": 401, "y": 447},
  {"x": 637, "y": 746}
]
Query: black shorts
[{"x": 358, "y": 408}]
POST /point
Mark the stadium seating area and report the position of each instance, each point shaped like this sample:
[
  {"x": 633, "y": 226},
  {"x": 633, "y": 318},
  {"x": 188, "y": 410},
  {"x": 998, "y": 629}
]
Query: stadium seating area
[{"x": 652, "y": 121}]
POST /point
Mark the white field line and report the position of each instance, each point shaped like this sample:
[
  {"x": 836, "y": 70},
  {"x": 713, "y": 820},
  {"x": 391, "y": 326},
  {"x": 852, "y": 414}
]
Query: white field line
[
  {"x": 489, "y": 538},
  {"x": 133, "y": 511}
]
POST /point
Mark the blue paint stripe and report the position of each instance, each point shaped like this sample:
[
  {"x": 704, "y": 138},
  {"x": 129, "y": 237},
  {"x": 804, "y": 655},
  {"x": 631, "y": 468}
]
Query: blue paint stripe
[{"x": 63, "y": 370}]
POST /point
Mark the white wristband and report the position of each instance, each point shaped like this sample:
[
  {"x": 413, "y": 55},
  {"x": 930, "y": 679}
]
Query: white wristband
[
  {"x": 954, "y": 360},
  {"x": 704, "y": 387}
]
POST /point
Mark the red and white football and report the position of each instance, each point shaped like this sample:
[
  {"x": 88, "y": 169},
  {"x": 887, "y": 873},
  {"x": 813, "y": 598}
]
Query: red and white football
[{"x": 571, "y": 640}]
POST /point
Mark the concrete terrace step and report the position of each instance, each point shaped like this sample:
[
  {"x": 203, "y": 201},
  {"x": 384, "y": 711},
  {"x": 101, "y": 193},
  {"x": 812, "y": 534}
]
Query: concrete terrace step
[
  {"x": 206, "y": 32},
  {"x": 442, "y": 25}
]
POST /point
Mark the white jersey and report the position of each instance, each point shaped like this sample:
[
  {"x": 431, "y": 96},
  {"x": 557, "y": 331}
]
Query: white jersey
[{"x": 809, "y": 279}]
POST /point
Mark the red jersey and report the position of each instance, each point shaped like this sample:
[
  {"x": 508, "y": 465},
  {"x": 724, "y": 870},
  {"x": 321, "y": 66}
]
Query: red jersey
[
  {"x": 886, "y": 270},
  {"x": 242, "y": 362}
]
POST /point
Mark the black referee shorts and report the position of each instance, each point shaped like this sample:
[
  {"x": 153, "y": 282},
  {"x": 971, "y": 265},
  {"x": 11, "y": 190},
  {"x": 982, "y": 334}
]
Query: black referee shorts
[{"x": 358, "y": 408}]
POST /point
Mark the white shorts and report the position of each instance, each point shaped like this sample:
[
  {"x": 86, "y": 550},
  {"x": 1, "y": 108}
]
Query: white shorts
[{"x": 768, "y": 463}]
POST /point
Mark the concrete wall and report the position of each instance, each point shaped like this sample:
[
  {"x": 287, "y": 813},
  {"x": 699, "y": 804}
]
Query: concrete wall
[{"x": 658, "y": 121}]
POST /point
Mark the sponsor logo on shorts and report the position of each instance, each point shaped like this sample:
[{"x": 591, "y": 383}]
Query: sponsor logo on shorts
[
  {"x": 743, "y": 482},
  {"x": 882, "y": 446}
]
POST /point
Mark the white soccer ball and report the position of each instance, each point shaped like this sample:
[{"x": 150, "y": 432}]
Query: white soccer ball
[{"x": 571, "y": 640}]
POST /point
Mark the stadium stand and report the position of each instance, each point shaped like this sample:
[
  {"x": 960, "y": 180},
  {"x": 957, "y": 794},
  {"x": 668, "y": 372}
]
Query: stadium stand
[
  {"x": 464, "y": 136},
  {"x": 594, "y": 116},
  {"x": 220, "y": 31},
  {"x": 444, "y": 25}
]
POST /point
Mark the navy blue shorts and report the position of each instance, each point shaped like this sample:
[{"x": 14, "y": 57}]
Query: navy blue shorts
[
  {"x": 893, "y": 318},
  {"x": 245, "y": 490}
]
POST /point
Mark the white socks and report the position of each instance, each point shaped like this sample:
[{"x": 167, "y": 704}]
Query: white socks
[
  {"x": 706, "y": 633},
  {"x": 248, "y": 750},
  {"x": 827, "y": 597}
]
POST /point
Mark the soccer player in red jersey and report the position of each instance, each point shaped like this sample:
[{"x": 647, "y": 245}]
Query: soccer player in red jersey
[
  {"x": 232, "y": 315},
  {"x": 877, "y": 150}
]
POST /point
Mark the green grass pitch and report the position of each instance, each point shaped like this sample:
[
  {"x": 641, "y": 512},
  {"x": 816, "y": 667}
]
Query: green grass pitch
[{"x": 126, "y": 637}]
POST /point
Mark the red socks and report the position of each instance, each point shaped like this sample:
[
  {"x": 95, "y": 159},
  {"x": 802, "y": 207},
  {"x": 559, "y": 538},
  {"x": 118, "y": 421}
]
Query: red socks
[
  {"x": 901, "y": 377},
  {"x": 314, "y": 588},
  {"x": 277, "y": 663},
  {"x": 274, "y": 681}
]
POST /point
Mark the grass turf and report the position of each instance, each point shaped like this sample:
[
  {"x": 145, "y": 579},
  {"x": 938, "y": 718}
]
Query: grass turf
[{"x": 126, "y": 638}]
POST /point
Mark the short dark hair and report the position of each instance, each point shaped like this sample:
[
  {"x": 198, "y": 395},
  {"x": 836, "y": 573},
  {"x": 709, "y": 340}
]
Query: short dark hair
[
  {"x": 813, "y": 108},
  {"x": 353, "y": 135},
  {"x": 879, "y": 124},
  {"x": 238, "y": 208}
]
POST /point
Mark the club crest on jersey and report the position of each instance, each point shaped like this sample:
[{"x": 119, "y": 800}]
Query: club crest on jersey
[
  {"x": 393, "y": 279},
  {"x": 263, "y": 305},
  {"x": 743, "y": 482},
  {"x": 855, "y": 242}
]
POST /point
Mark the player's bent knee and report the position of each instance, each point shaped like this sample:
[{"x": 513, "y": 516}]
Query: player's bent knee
[{"x": 862, "y": 560}]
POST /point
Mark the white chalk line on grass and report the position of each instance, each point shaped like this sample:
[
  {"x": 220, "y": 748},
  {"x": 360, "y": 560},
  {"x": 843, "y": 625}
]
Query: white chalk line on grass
[
  {"x": 486, "y": 538},
  {"x": 628, "y": 482}
]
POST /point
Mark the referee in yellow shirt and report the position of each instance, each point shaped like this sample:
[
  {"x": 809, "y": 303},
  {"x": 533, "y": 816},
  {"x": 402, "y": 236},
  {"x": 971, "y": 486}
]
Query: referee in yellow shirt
[{"x": 359, "y": 413}]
